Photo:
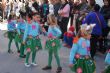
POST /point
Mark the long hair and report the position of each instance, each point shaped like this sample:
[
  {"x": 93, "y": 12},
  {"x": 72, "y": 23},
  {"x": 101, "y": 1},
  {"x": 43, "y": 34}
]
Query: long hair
[{"x": 52, "y": 19}]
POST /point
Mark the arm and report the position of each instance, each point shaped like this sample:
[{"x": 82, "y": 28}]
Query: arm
[
  {"x": 57, "y": 31},
  {"x": 72, "y": 53},
  {"x": 18, "y": 28},
  {"x": 25, "y": 33},
  {"x": 8, "y": 26},
  {"x": 104, "y": 24},
  {"x": 66, "y": 9}
]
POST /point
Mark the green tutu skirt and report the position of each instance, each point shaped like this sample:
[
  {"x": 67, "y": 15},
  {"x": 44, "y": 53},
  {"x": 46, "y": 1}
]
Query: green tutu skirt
[
  {"x": 19, "y": 38},
  {"x": 32, "y": 43},
  {"x": 85, "y": 65},
  {"x": 49, "y": 46},
  {"x": 107, "y": 70},
  {"x": 11, "y": 34}
]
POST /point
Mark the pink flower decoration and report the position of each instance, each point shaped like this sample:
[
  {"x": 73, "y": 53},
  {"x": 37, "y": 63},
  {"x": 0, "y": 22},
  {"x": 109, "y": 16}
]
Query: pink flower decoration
[
  {"x": 79, "y": 70},
  {"x": 41, "y": 25},
  {"x": 28, "y": 49},
  {"x": 84, "y": 45},
  {"x": 109, "y": 50},
  {"x": 77, "y": 56},
  {"x": 88, "y": 49},
  {"x": 33, "y": 27},
  {"x": 50, "y": 35}
]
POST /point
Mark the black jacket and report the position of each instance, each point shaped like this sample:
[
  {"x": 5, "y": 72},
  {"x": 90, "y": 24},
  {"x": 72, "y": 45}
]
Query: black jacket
[{"x": 105, "y": 11}]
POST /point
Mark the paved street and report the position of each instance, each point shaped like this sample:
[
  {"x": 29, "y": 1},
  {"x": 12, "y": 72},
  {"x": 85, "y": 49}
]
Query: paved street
[{"x": 11, "y": 63}]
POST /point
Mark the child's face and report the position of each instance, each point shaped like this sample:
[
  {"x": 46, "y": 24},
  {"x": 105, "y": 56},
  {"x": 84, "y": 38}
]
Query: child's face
[
  {"x": 36, "y": 18},
  {"x": 88, "y": 36},
  {"x": 18, "y": 19},
  {"x": 28, "y": 19}
]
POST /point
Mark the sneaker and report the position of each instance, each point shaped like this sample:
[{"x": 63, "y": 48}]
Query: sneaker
[
  {"x": 47, "y": 68},
  {"x": 59, "y": 70},
  {"x": 34, "y": 64},
  {"x": 65, "y": 45},
  {"x": 18, "y": 51},
  {"x": 69, "y": 47},
  {"x": 10, "y": 51},
  {"x": 27, "y": 65},
  {"x": 22, "y": 56}
]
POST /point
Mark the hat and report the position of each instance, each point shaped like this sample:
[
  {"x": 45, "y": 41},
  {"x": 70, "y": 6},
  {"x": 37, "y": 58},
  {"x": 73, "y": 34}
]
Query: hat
[
  {"x": 87, "y": 29},
  {"x": 71, "y": 28}
]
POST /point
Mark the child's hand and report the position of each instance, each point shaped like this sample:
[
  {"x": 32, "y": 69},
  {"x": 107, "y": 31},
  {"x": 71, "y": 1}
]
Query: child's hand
[
  {"x": 41, "y": 25},
  {"x": 43, "y": 29},
  {"x": 23, "y": 43},
  {"x": 79, "y": 70},
  {"x": 70, "y": 32},
  {"x": 20, "y": 36},
  {"x": 71, "y": 65},
  {"x": 53, "y": 44},
  {"x": 37, "y": 48}
]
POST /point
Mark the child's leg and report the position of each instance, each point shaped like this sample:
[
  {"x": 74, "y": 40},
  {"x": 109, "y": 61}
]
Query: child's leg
[
  {"x": 70, "y": 41},
  {"x": 50, "y": 58},
  {"x": 34, "y": 56},
  {"x": 9, "y": 45},
  {"x": 22, "y": 50},
  {"x": 57, "y": 58},
  {"x": 59, "y": 69},
  {"x": 48, "y": 67},
  {"x": 65, "y": 40},
  {"x": 17, "y": 46},
  {"x": 27, "y": 57}
]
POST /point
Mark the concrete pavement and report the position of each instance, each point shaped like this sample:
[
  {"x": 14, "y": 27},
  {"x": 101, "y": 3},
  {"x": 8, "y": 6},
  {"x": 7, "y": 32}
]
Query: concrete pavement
[{"x": 11, "y": 63}]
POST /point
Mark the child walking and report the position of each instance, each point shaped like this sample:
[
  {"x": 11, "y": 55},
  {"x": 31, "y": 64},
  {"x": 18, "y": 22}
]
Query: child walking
[
  {"x": 30, "y": 39},
  {"x": 80, "y": 60},
  {"x": 21, "y": 24},
  {"x": 53, "y": 42},
  {"x": 11, "y": 32}
]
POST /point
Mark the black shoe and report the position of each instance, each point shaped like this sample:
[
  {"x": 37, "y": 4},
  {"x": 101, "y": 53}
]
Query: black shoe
[
  {"x": 10, "y": 51},
  {"x": 59, "y": 70},
  {"x": 22, "y": 56},
  {"x": 47, "y": 68},
  {"x": 18, "y": 51}
]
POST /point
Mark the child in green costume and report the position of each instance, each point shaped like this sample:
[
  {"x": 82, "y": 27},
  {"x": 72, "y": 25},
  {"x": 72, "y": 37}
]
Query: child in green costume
[{"x": 53, "y": 43}]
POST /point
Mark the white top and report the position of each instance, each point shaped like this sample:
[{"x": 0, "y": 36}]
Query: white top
[{"x": 51, "y": 8}]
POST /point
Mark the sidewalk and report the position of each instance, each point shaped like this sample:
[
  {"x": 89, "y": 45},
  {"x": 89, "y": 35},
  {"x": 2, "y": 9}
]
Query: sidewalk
[{"x": 3, "y": 25}]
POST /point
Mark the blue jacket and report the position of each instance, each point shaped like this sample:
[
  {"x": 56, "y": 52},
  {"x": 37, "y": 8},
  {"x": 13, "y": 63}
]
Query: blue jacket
[
  {"x": 31, "y": 29},
  {"x": 21, "y": 26},
  {"x": 91, "y": 18},
  {"x": 55, "y": 31},
  {"x": 81, "y": 47},
  {"x": 11, "y": 25}
]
